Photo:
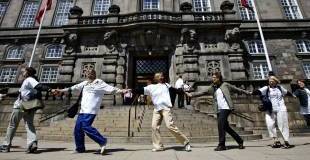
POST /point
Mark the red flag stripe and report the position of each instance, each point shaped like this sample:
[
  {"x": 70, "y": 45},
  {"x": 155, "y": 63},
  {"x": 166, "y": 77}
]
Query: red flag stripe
[
  {"x": 245, "y": 3},
  {"x": 48, "y": 5}
]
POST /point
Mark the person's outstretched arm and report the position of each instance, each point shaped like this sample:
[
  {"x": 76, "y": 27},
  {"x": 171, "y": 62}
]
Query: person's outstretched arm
[{"x": 236, "y": 89}]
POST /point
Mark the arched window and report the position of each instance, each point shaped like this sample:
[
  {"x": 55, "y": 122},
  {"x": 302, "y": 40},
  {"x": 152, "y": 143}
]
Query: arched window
[
  {"x": 54, "y": 51},
  {"x": 15, "y": 53},
  {"x": 101, "y": 7},
  {"x": 62, "y": 12}
]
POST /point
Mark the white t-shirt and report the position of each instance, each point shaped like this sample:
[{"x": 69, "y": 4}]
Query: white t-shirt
[
  {"x": 179, "y": 83},
  {"x": 221, "y": 101},
  {"x": 306, "y": 110},
  {"x": 26, "y": 91},
  {"x": 92, "y": 94},
  {"x": 160, "y": 95},
  {"x": 276, "y": 97}
]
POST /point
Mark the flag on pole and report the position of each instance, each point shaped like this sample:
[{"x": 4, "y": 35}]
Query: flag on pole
[
  {"x": 47, "y": 4},
  {"x": 245, "y": 4}
]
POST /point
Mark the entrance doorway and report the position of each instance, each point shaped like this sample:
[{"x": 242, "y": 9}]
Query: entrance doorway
[{"x": 146, "y": 67}]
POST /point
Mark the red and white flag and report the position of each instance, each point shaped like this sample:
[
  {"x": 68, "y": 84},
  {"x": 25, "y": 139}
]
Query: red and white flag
[
  {"x": 45, "y": 4},
  {"x": 245, "y": 4}
]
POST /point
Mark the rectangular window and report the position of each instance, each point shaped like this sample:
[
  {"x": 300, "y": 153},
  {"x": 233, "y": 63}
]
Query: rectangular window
[
  {"x": 29, "y": 12},
  {"x": 260, "y": 70},
  {"x": 3, "y": 7},
  {"x": 8, "y": 74},
  {"x": 149, "y": 5},
  {"x": 202, "y": 5},
  {"x": 54, "y": 51},
  {"x": 255, "y": 47},
  {"x": 303, "y": 46},
  {"x": 62, "y": 12},
  {"x": 291, "y": 9},
  {"x": 307, "y": 69},
  {"x": 101, "y": 7},
  {"x": 245, "y": 13},
  {"x": 49, "y": 74}
]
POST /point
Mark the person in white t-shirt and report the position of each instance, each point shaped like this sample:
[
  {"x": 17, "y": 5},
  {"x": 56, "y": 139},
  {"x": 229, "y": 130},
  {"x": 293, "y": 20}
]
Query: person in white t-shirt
[
  {"x": 92, "y": 94},
  {"x": 278, "y": 112},
  {"x": 303, "y": 94},
  {"x": 30, "y": 89},
  {"x": 159, "y": 93},
  {"x": 187, "y": 88},
  {"x": 179, "y": 85}
]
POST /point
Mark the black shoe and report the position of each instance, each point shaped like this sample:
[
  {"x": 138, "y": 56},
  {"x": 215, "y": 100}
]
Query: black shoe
[
  {"x": 4, "y": 148},
  {"x": 220, "y": 148},
  {"x": 32, "y": 148},
  {"x": 276, "y": 144},
  {"x": 241, "y": 146},
  {"x": 286, "y": 145}
]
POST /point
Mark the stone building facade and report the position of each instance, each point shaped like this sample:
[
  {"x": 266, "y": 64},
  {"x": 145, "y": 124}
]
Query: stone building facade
[{"x": 126, "y": 41}]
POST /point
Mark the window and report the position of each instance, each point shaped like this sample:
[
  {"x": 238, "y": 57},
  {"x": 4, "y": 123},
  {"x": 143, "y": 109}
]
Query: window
[
  {"x": 303, "y": 46},
  {"x": 291, "y": 9},
  {"x": 245, "y": 13},
  {"x": 62, "y": 12},
  {"x": 260, "y": 70},
  {"x": 202, "y": 5},
  {"x": 8, "y": 74},
  {"x": 101, "y": 7},
  {"x": 29, "y": 12},
  {"x": 307, "y": 69},
  {"x": 49, "y": 74},
  {"x": 85, "y": 67},
  {"x": 150, "y": 4},
  {"x": 15, "y": 53},
  {"x": 54, "y": 51},
  {"x": 3, "y": 7},
  {"x": 255, "y": 47}
]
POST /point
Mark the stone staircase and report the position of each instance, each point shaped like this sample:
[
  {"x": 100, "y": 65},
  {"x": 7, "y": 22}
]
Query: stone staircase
[{"x": 113, "y": 123}]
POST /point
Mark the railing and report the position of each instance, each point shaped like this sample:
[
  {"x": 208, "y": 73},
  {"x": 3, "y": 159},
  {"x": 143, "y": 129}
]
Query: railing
[
  {"x": 152, "y": 16},
  {"x": 134, "y": 105}
]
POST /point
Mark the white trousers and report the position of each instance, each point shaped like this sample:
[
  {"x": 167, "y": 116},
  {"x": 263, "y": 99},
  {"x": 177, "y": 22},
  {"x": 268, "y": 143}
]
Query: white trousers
[{"x": 282, "y": 122}]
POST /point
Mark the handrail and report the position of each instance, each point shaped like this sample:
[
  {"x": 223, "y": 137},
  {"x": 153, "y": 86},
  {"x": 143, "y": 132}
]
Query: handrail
[{"x": 129, "y": 113}]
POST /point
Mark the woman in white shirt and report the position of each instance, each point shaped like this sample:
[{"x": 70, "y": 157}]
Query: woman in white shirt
[
  {"x": 278, "y": 112},
  {"x": 159, "y": 93}
]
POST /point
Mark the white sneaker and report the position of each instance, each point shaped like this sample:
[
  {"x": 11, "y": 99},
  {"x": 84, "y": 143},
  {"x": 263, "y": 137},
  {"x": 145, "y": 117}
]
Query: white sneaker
[
  {"x": 187, "y": 147},
  {"x": 157, "y": 149},
  {"x": 102, "y": 149}
]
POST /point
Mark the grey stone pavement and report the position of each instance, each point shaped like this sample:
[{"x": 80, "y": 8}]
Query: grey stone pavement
[{"x": 255, "y": 150}]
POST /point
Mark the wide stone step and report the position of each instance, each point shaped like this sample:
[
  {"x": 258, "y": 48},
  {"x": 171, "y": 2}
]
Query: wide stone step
[{"x": 147, "y": 140}]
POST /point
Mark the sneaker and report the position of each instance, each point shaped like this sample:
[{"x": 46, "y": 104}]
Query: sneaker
[
  {"x": 286, "y": 145},
  {"x": 4, "y": 148},
  {"x": 220, "y": 148},
  {"x": 102, "y": 149},
  {"x": 187, "y": 147},
  {"x": 241, "y": 146},
  {"x": 32, "y": 148},
  {"x": 157, "y": 149},
  {"x": 276, "y": 144}
]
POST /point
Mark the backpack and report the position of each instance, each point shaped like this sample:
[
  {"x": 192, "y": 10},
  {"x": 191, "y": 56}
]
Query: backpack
[{"x": 266, "y": 103}]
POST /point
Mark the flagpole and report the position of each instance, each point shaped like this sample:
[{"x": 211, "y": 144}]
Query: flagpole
[
  {"x": 262, "y": 36},
  {"x": 37, "y": 38}
]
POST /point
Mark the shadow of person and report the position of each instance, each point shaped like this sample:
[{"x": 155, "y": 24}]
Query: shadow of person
[
  {"x": 109, "y": 151},
  {"x": 45, "y": 150},
  {"x": 177, "y": 148}
]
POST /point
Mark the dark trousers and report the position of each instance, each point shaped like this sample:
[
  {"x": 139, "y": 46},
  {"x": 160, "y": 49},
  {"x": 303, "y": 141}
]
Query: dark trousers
[
  {"x": 188, "y": 100},
  {"x": 82, "y": 127},
  {"x": 223, "y": 127},
  {"x": 180, "y": 99},
  {"x": 307, "y": 119}
]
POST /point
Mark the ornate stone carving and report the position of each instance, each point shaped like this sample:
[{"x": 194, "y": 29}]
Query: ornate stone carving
[
  {"x": 111, "y": 42},
  {"x": 189, "y": 40},
  {"x": 232, "y": 36},
  {"x": 186, "y": 7},
  {"x": 71, "y": 42},
  {"x": 114, "y": 9},
  {"x": 86, "y": 67},
  {"x": 76, "y": 11},
  {"x": 227, "y": 6},
  {"x": 213, "y": 66}
]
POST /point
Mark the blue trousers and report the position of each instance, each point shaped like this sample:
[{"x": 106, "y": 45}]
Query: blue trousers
[{"x": 82, "y": 126}]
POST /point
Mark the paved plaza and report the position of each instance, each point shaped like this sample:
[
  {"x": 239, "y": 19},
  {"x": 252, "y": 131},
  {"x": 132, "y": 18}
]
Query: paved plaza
[{"x": 255, "y": 150}]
